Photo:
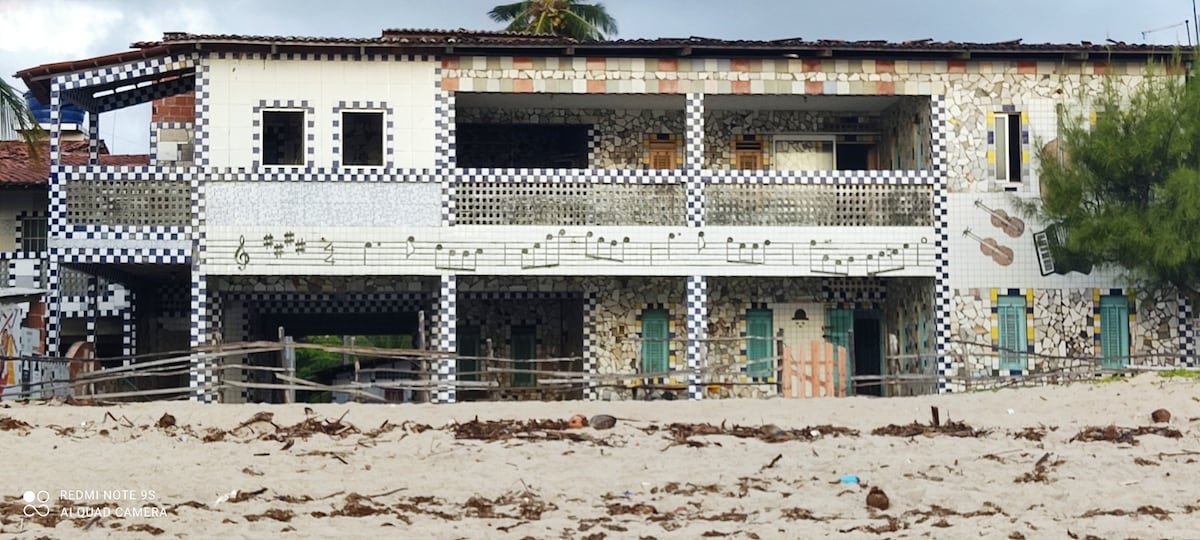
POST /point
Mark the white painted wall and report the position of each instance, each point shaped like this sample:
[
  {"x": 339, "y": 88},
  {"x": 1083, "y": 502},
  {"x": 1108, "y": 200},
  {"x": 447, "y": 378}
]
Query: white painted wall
[
  {"x": 237, "y": 85},
  {"x": 315, "y": 204}
]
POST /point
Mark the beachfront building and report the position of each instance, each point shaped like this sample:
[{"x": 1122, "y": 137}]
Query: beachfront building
[{"x": 655, "y": 207}]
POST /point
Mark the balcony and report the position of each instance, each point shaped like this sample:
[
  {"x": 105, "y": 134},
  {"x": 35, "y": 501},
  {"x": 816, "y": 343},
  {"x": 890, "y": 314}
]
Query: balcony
[
  {"x": 132, "y": 202},
  {"x": 817, "y": 133}
]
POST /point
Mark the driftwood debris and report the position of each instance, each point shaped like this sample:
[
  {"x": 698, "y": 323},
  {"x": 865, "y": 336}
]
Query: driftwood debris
[{"x": 1114, "y": 434}]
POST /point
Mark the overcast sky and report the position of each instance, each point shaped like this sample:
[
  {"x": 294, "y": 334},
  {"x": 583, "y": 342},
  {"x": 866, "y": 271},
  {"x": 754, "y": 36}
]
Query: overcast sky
[{"x": 34, "y": 32}]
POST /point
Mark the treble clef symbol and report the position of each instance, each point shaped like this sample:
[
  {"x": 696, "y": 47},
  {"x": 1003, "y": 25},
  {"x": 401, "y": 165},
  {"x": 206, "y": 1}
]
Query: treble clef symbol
[{"x": 240, "y": 255}]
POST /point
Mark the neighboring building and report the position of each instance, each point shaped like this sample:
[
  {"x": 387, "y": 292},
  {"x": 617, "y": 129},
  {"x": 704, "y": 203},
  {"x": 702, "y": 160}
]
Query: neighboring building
[
  {"x": 642, "y": 205},
  {"x": 24, "y": 253}
]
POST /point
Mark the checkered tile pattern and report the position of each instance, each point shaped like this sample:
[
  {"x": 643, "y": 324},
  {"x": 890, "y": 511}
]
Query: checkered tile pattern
[
  {"x": 139, "y": 95},
  {"x": 200, "y": 377},
  {"x": 697, "y": 332},
  {"x": 443, "y": 126},
  {"x": 693, "y": 153},
  {"x": 593, "y": 146},
  {"x": 93, "y": 307},
  {"x": 310, "y": 135},
  {"x": 389, "y": 129},
  {"x": 1187, "y": 332},
  {"x": 447, "y": 336},
  {"x": 93, "y": 138},
  {"x": 53, "y": 309},
  {"x": 203, "y": 95},
  {"x": 122, "y": 255},
  {"x": 129, "y": 329},
  {"x": 591, "y": 355},
  {"x": 943, "y": 300},
  {"x": 132, "y": 70}
]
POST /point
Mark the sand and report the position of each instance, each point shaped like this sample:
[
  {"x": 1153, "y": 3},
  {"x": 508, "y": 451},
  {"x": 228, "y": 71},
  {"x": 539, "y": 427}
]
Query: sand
[{"x": 99, "y": 464}]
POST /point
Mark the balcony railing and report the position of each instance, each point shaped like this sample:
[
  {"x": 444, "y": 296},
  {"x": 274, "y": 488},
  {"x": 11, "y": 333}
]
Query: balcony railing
[
  {"x": 819, "y": 205},
  {"x": 132, "y": 203},
  {"x": 581, "y": 203}
]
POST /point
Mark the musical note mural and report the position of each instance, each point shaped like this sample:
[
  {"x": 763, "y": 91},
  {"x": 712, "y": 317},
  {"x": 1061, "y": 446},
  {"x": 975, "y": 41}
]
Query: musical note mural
[{"x": 581, "y": 251}]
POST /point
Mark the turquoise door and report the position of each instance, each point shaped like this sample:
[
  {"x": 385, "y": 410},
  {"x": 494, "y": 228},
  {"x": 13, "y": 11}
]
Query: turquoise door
[
  {"x": 760, "y": 347},
  {"x": 839, "y": 323},
  {"x": 1010, "y": 317},
  {"x": 655, "y": 347},
  {"x": 1114, "y": 331}
]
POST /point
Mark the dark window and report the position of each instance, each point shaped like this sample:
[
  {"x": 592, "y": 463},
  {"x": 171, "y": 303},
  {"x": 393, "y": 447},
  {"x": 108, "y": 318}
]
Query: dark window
[
  {"x": 533, "y": 146},
  {"x": 33, "y": 234},
  {"x": 283, "y": 137},
  {"x": 362, "y": 138},
  {"x": 1007, "y": 129}
]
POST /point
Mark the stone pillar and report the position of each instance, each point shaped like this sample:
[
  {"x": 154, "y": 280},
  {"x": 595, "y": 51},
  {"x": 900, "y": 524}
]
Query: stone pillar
[
  {"x": 445, "y": 373},
  {"x": 697, "y": 332}
]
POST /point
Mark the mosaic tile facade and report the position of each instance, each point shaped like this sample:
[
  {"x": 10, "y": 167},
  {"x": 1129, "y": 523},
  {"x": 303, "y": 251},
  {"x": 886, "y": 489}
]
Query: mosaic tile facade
[{"x": 938, "y": 132}]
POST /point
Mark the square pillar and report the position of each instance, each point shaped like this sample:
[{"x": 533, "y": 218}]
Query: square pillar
[
  {"x": 697, "y": 332},
  {"x": 445, "y": 374}
]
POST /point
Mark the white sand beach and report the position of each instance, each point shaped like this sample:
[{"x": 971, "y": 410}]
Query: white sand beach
[{"x": 379, "y": 471}]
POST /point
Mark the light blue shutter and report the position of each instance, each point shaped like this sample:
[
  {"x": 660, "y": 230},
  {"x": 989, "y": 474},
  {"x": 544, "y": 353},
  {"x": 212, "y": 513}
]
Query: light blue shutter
[
  {"x": 759, "y": 351},
  {"x": 1010, "y": 312},
  {"x": 1114, "y": 331}
]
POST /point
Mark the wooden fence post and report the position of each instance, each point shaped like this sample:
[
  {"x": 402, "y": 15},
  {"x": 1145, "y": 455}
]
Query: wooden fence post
[{"x": 287, "y": 360}]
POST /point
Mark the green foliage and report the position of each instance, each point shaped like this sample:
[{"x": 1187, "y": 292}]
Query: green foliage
[
  {"x": 13, "y": 112},
  {"x": 311, "y": 361},
  {"x": 566, "y": 18},
  {"x": 1126, "y": 187},
  {"x": 1180, "y": 373}
]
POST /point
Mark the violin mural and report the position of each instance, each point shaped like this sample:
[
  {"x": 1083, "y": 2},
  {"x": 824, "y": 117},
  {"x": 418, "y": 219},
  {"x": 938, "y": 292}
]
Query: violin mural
[
  {"x": 992, "y": 241},
  {"x": 1000, "y": 253},
  {"x": 1011, "y": 225}
]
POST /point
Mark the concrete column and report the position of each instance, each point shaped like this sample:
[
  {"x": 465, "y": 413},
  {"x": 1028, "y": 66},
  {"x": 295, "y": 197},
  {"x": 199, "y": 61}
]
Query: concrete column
[
  {"x": 445, "y": 374},
  {"x": 697, "y": 332},
  {"x": 93, "y": 138},
  {"x": 93, "y": 308}
]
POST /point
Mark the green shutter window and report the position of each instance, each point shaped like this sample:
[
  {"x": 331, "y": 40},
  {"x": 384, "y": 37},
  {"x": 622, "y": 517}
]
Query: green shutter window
[
  {"x": 760, "y": 347},
  {"x": 1114, "y": 331},
  {"x": 654, "y": 341},
  {"x": 1010, "y": 311},
  {"x": 524, "y": 347}
]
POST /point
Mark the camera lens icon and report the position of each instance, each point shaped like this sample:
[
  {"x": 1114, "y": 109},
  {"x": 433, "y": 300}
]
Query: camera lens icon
[{"x": 40, "y": 508}]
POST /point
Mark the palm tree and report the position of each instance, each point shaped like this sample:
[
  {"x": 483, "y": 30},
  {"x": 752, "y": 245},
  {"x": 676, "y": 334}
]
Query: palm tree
[
  {"x": 566, "y": 18},
  {"x": 14, "y": 113}
]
